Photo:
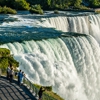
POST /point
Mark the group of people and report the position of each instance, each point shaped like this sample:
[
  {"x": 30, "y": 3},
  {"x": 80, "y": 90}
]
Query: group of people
[
  {"x": 21, "y": 75},
  {"x": 11, "y": 74}
]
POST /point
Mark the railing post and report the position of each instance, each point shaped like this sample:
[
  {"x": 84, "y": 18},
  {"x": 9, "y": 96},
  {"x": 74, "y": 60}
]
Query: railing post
[{"x": 30, "y": 85}]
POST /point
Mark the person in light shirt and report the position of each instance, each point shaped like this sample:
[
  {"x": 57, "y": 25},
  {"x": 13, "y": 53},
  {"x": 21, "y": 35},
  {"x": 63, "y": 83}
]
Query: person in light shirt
[{"x": 8, "y": 72}]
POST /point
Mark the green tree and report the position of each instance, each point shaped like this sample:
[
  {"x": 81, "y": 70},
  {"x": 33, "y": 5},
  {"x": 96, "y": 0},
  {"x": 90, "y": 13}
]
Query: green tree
[
  {"x": 7, "y": 59},
  {"x": 94, "y": 3},
  {"x": 21, "y": 5},
  {"x": 77, "y": 3},
  {"x": 36, "y": 9}
]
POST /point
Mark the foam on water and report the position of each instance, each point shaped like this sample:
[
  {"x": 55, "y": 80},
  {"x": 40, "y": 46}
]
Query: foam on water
[{"x": 69, "y": 64}]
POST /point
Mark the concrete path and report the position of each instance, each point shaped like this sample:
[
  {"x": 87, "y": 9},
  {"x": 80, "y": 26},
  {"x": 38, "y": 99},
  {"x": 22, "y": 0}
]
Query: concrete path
[{"x": 11, "y": 91}]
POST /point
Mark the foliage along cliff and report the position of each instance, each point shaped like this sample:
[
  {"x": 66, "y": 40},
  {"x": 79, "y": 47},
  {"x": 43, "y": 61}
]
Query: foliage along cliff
[{"x": 7, "y": 59}]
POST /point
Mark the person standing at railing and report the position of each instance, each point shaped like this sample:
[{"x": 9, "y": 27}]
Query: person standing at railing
[
  {"x": 8, "y": 72},
  {"x": 41, "y": 92},
  {"x": 11, "y": 74},
  {"x": 22, "y": 75},
  {"x": 19, "y": 75}
]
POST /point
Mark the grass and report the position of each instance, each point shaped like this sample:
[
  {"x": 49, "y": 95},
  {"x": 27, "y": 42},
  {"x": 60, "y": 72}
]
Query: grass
[
  {"x": 54, "y": 95},
  {"x": 49, "y": 92}
]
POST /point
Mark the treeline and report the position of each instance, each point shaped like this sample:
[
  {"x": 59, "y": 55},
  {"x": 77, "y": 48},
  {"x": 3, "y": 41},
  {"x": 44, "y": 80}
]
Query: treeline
[
  {"x": 49, "y": 4},
  {"x": 15, "y": 4},
  {"x": 56, "y": 4},
  {"x": 66, "y": 4},
  {"x": 92, "y": 3}
]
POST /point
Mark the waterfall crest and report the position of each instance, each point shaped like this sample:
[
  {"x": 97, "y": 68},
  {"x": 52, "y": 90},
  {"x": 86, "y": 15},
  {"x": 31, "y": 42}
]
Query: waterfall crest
[{"x": 80, "y": 24}]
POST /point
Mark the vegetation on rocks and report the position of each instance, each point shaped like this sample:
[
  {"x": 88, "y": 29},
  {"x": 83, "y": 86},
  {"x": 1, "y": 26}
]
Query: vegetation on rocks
[
  {"x": 36, "y": 9},
  {"x": 21, "y": 5},
  {"x": 49, "y": 92},
  {"x": 15, "y": 4},
  {"x": 7, "y": 59},
  {"x": 7, "y": 10},
  {"x": 37, "y": 6}
]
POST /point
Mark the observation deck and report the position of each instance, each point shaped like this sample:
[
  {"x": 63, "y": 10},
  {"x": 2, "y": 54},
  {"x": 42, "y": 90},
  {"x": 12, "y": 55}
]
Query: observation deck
[{"x": 12, "y": 91}]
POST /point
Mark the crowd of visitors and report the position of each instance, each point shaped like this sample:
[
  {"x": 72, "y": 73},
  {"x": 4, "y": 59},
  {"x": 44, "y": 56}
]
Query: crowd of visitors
[
  {"x": 20, "y": 75},
  {"x": 11, "y": 74}
]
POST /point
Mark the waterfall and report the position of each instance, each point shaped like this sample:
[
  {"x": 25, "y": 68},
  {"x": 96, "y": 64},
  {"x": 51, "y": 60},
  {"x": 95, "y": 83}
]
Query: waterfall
[
  {"x": 87, "y": 64},
  {"x": 70, "y": 24},
  {"x": 69, "y": 64},
  {"x": 95, "y": 26},
  {"x": 79, "y": 24}
]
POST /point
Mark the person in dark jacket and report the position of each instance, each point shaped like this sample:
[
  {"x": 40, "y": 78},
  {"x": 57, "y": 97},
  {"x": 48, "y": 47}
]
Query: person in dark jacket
[{"x": 41, "y": 92}]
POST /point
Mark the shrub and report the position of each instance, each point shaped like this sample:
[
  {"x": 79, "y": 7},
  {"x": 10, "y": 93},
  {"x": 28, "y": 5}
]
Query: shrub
[
  {"x": 36, "y": 9},
  {"x": 21, "y": 5},
  {"x": 48, "y": 88},
  {"x": 7, "y": 10},
  {"x": 6, "y": 59},
  {"x": 49, "y": 93}
]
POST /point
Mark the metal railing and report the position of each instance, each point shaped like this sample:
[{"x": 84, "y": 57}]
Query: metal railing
[{"x": 34, "y": 90}]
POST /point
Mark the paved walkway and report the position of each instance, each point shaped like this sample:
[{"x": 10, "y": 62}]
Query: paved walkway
[{"x": 11, "y": 91}]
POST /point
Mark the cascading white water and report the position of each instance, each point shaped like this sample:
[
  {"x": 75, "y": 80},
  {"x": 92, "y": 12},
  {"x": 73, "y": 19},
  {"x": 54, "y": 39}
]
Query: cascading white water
[
  {"x": 95, "y": 26},
  {"x": 71, "y": 66},
  {"x": 80, "y": 24},
  {"x": 87, "y": 62},
  {"x": 70, "y": 24}
]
